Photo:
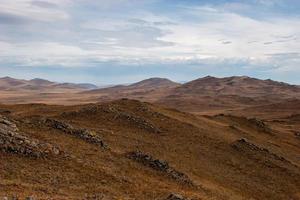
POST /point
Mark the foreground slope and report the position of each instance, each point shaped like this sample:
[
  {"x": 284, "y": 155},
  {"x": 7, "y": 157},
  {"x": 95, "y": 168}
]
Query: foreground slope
[{"x": 128, "y": 149}]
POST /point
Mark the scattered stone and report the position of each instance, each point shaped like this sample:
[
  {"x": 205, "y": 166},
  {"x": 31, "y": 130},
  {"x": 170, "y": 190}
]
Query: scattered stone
[
  {"x": 139, "y": 121},
  {"x": 12, "y": 141},
  {"x": 81, "y": 133},
  {"x": 5, "y": 112},
  {"x": 232, "y": 127},
  {"x": 260, "y": 124},
  {"x": 159, "y": 165},
  {"x": 14, "y": 197},
  {"x": 176, "y": 197},
  {"x": 297, "y": 134},
  {"x": 95, "y": 197}
]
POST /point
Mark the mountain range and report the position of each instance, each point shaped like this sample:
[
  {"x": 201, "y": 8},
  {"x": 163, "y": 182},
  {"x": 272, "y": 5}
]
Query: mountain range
[
  {"x": 37, "y": 84},
  {"x": 207, "y": 93}
]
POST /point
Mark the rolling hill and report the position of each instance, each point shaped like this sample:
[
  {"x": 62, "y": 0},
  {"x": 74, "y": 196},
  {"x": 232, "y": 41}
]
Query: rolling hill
[{"x": 127, "y": 149}]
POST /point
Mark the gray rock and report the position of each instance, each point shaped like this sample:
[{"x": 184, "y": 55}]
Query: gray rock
[
  {"x": 84, "y": 134},
  {"x": 159, "y": 165},
  {"x": 176, "y": 197},
  {"x": 12, "y": 141}
]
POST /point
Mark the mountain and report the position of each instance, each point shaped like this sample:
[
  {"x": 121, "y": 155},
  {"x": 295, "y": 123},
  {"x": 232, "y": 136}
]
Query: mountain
[
  {"x": 147, "y": 84},
  {"x": 84, "y": 86},
  {"x": 210, "y": 93},
  {"x": 40, "y": 82},
  {"x": 150, "y": 89},
  {"x": 8, "y": 82},
  {"x": 40, "y": 85},
  {"x": 202, "y": 95},
  {"x": 237, "y": 85},
  {"x": 154, "y": 83},
  {"x": 127, "y": 149}
]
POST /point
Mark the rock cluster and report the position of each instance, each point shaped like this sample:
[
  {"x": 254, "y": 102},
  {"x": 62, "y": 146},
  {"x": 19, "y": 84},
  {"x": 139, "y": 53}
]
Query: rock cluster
[
  {"x": 138, "y": 121},
  {"x": 81, "y": 133},
  {"x": 96, "y": 197},
  {"x": 17, "y": 198},
  {"x": 248, "y": 147},
  {"x": 4, "y": 111},
  {"x": 259, "y": 124},
  {"x": 176, "y": 197},
  {"x": 113, "y": 112},
  {"x": 242, "y": 143},
  {"x": 159, "y": 165},
  {"x": 12, "y": 141}
]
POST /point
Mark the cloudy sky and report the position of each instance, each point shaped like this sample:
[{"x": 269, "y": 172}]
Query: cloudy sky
[{"x": 122, "y": 41}]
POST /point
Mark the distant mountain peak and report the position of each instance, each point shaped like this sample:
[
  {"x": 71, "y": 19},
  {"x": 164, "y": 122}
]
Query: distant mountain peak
[
  {"x": 7, "y": 78},
  {"x": 39, "y": 81},
  {"x": 155, "y": 82},
  {"x": 38, "y": 84}
]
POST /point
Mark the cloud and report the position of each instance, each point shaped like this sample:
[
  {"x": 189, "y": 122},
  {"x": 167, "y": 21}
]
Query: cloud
[
  {"x": 226, "y": 42},
  {"x": 10, "y": 19},
  {"x": 86, "y": 33},
  {"x": 268, "y": 43},
  {"x": 44, "y": 4},
  {"x": 27, "y": 10}
]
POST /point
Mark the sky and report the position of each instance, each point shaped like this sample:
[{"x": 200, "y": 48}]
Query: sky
[{"x": 123, "y": 41}]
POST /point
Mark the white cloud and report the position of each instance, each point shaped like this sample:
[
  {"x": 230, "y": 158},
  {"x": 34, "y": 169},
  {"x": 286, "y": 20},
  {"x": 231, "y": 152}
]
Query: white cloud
[
  {"x": 29, "y": 11},
  {"x": 204, "y": 34}
]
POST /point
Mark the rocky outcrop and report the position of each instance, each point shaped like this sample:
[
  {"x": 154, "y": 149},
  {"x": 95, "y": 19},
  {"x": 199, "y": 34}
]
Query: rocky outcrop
[
  {"x": 176, "y": 197},
  {"x": 245, "y": 146},
  {"x": 14, "y": 197},
  {"x": 138, "y": 121},
  {"x": 4, "y": 111},
  {"x": 115, "y": 113},
  {"x": 12, "y": 141},
  {"x": 159, "y": 165},
  {"x": 260, "y": 124},
  {"x": 81, "y": 133}
]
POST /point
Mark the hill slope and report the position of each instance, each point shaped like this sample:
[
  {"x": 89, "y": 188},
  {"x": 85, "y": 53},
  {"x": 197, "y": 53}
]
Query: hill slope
[
  {"x": 128, "y": 149},
  {"x": 210, "y": 93},
  {"x": 237, "y": 85}
]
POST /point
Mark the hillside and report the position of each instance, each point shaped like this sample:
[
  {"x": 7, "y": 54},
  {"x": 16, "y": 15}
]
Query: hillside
[
  {"x": 128, "y": 149},
  {"x": 211, "y": 93},
  {"x": 236, "y": 85}
]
